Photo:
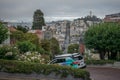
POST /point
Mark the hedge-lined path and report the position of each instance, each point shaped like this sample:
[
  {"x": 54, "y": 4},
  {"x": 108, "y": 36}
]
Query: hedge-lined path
[
  {"x": 17, "y": 76},
  {"x": 33, "y": 76},
  {"x": 104, "y": 73}
]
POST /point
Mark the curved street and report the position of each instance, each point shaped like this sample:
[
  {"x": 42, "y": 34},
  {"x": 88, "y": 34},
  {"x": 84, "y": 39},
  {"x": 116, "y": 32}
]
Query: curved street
[{"x": 104, "y": 73}]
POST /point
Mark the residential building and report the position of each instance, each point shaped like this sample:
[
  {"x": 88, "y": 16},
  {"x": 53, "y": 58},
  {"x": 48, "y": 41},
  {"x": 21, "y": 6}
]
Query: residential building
[
  {"x": 72, "y": 33},
  {"x": 48, "y": 34},
  {"x": 112, "y": 18},
  {"x": 58, "y": 29},
  {"x": 77, "y": 29}
]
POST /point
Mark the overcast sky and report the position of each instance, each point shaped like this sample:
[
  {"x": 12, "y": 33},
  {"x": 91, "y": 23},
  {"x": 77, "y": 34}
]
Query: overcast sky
[{"x": 22, "y": 10}]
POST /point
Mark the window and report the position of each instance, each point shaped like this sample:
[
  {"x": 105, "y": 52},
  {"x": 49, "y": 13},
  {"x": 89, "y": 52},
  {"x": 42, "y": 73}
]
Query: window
[
  {"x": 78, "y": 58},
  {"x": 60, "y": 60}
]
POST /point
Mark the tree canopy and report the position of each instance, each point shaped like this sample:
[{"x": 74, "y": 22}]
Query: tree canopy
[
  {"x": 45, "y": 44},
  {"x": 33, "y": 38},
  {"x": 3, "y": 33},
  {"x": 38, "y": 20},
  {"x": 104, "y": 37},
  {"x": 21, "y": 28},
  {"x": 54, "y": 46},
  {"x": 17, "y": 36}
]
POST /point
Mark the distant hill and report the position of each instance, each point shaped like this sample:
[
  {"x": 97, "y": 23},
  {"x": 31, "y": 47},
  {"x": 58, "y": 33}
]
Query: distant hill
[{"x": 20, "y": 23}]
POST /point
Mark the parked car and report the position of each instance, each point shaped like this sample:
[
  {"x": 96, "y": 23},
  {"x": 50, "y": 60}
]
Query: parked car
[{"x": 74, "y": 60}]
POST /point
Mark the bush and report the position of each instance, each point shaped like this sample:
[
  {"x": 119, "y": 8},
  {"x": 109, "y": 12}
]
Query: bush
[
  {"x": 31, "y": 57},
  {"x": 46, "y": 58},
  {"x": 7, "y": 52},
  {"x": 26, "y": 46},
  {"x": 99, "y": 62},
  {"x": 40, "y": 50},
  {"x": 3, "y": 51},
  {"x": 26, "y": 67},
  {"x": 3, "y": 32}
]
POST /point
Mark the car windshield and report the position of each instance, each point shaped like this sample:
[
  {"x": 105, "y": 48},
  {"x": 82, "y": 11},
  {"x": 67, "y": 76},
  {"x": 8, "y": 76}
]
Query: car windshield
[
  {"x": 69, "y": 59},
  {"x": 78, "y": 57}
]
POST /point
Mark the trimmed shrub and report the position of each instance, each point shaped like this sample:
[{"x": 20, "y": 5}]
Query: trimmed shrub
[
  {"x": 42, "y": 51},
  {"x": 27, "y": 67},
  {"x": 3, "y": 51},
  {"x": 99, "y": 62}
]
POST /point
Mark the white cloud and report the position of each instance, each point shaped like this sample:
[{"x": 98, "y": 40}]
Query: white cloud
[
  {"x": 22, "y": 10},
  {"x": 59, "y": 18}
]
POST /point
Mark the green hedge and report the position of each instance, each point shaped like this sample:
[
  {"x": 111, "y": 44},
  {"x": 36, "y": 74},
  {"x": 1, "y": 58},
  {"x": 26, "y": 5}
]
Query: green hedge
[
  {"x": 25, "y": 67},
  {"x": 99, "y": 62}
]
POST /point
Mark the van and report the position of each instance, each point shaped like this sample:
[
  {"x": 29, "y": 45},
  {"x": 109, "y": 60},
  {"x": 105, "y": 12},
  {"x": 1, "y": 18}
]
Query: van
[{"x": 74, "y": 60}]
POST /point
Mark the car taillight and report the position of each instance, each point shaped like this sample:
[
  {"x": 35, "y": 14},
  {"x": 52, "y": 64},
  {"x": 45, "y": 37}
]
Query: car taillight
[{"x": 75, "y": 62}]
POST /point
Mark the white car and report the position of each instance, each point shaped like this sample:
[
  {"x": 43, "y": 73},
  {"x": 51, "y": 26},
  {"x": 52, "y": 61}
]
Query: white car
[{"x": 74, "y": 60}]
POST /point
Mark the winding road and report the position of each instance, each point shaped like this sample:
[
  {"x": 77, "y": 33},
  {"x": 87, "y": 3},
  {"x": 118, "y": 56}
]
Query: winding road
[
  {"x": 104, "y": 73},
  {"x": 96, "y": 73}
]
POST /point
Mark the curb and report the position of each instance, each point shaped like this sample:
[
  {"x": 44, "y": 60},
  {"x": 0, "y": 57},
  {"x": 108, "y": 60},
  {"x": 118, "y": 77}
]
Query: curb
[{"x": 103, "y": 66}]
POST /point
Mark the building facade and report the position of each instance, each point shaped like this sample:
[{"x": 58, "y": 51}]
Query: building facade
[{"x": 112, "y": 18}]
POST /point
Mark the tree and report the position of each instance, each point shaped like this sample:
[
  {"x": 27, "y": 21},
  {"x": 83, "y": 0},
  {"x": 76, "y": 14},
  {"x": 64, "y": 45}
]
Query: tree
[
  {"x": 33, "y": 38},
  {"x": 38, "y": 20},
  {"x": 3, "y": 33},
  {"x": 104, "y": 37},
  {"x": 23, "y": 29},
  {"x": 17, "y": 36},
  {"x": 45, "y": 44},
  {"x": 54, "y": 46},
  {"x": 26, "y": 46},
  {"x": 73, "y": 48}
]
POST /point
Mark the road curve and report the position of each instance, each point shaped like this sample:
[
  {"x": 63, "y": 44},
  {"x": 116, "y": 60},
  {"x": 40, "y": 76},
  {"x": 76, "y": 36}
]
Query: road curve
[{"x": 104, "y": 73}]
